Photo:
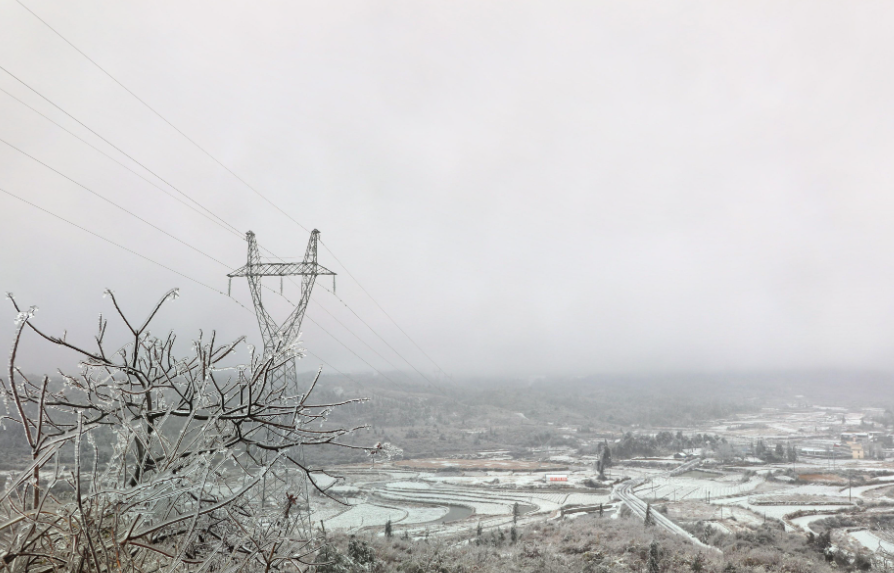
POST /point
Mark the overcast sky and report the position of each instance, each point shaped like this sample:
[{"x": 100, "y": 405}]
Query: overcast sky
[{"x": 528, "y": 188}]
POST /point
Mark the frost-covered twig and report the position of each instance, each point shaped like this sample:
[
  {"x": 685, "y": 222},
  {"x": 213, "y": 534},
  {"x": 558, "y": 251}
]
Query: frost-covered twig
[{"x": 188, "y": 463}]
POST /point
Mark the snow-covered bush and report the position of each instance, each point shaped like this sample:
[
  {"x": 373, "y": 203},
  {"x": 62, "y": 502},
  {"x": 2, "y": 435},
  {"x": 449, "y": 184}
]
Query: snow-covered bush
[{"x": 146, "y": 461}]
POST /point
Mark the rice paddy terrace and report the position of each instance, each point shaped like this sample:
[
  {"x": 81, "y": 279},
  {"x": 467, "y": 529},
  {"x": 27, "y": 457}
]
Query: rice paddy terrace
[
  {"x": 463, "y": 496},
  {"x": 436, "y": 496}
]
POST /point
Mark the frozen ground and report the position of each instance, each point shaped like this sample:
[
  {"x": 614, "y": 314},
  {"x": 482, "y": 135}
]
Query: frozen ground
[
  {"x": 728, "y": 497},
  {"x": 451, "y": 495},
  {"x": 870, "y": 541},
  {"x": 451, "y": 501},
  {"x": 803, "y": 522}
]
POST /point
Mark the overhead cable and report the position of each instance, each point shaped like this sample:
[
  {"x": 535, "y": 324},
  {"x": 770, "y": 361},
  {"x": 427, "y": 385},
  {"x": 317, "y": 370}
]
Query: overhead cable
[
  {"x": 157, "y": 114},
  {"x": 374, "y": 331},
  {"x": 217, "y": 222},
  {"x": 110, "y": 202},
  {"x": 324, "y": 309},
  {"x": 94, "y": 132},
  {"x": 230, "y": 171},
  {"x": 132, "y": 214},
  {"x": 102, "y": 197},
  {"x": 120, "y": 246},
  {"x": 154, "y": 262}
]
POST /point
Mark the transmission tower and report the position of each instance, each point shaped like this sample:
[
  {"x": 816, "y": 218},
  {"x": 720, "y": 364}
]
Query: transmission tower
[{"x": 278, "y": 338}]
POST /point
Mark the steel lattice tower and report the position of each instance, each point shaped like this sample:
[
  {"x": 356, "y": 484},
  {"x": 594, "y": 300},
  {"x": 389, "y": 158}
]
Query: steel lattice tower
[{"x": 277, "y": 339}]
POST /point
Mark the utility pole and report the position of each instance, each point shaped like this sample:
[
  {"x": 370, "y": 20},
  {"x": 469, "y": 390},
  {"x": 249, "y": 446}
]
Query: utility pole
[{"x": 278, "y": 340}]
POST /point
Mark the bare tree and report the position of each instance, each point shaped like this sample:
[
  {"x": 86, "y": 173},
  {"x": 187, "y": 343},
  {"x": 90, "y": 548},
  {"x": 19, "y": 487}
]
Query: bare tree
[{"x": 144, "y": 461}]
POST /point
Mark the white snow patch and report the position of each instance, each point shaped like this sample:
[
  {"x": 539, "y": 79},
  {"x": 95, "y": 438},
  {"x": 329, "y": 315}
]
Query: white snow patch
[{"x": 870, "y": 541}]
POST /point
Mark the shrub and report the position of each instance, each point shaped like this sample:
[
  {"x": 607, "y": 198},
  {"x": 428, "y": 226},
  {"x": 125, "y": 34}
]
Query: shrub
[{"x": 145, "y": 460}]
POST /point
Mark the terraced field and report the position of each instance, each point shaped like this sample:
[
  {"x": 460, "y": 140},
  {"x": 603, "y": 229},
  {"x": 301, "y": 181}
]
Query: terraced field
[
  {"x": 421, "y": 500},
  {"x": 431, "y": 497}
]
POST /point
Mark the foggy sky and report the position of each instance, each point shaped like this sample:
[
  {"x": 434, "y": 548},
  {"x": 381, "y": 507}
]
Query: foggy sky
[{"x": 528, "y": 188}]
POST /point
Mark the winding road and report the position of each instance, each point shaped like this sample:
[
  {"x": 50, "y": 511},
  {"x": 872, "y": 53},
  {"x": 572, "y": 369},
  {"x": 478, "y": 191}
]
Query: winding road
[{"x": 624, "y": 492}]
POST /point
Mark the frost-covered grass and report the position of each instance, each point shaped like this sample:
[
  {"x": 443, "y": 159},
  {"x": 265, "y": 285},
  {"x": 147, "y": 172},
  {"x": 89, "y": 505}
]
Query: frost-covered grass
[
  {"x": 700, "y": 511},
  {"x": 815, "y": 489},
  {"x": 365, "y": 514},
  {"x": 547, "y": 501},
  {"x": 417, "y": 515},
  {"x": 409, "y": 485},
  {"x": 585, "y": 543}
]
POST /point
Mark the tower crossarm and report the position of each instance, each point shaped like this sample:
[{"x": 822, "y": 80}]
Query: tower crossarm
[
  {"x": 281, "y": 270},
  {"x": 276, "y": 337}
]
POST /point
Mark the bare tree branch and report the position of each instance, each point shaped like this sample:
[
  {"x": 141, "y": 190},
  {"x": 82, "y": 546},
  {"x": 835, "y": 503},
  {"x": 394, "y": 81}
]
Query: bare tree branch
[{"x": 183, "y": 457}]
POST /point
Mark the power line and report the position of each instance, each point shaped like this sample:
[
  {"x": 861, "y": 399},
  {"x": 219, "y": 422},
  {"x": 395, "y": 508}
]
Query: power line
[
  {"x": 110, "y": 202},
  {"x": 132, "y": 214},
  {"x": 229, "y": 229},
  {"x": 336, "y": 339},
  {"x": 349, "y": 349},
  {"x": 383, "y": 310},
  {"x": 225, "y": 167},
  {"x": 162, "y": 265},
  {"x": 374, "y": 332},
  {"x": 91, "y": 130},
  {"x": 224, "y": 224},
  {"x": 359, "y": 383},
  {"x": 323, "y": 308},
  {"x": 432, "y": 384},
  {"x": 120, "y": 246},
  {"x": 152, "y": 109},
  {"x": 351, "y": 331},
  {"x": 219, "y": 221}
]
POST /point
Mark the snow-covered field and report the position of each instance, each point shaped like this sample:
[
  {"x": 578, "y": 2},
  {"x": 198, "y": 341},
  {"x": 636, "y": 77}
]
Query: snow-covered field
[
  {"x": 452, "y": 501},
  {"x": 803, "y": 522},
  {"x": 678, "y": 488},
  {"x": 363, "y": 515},
  {"x": 442, "y": 495},
  {"x": 870, "y": 541}
]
